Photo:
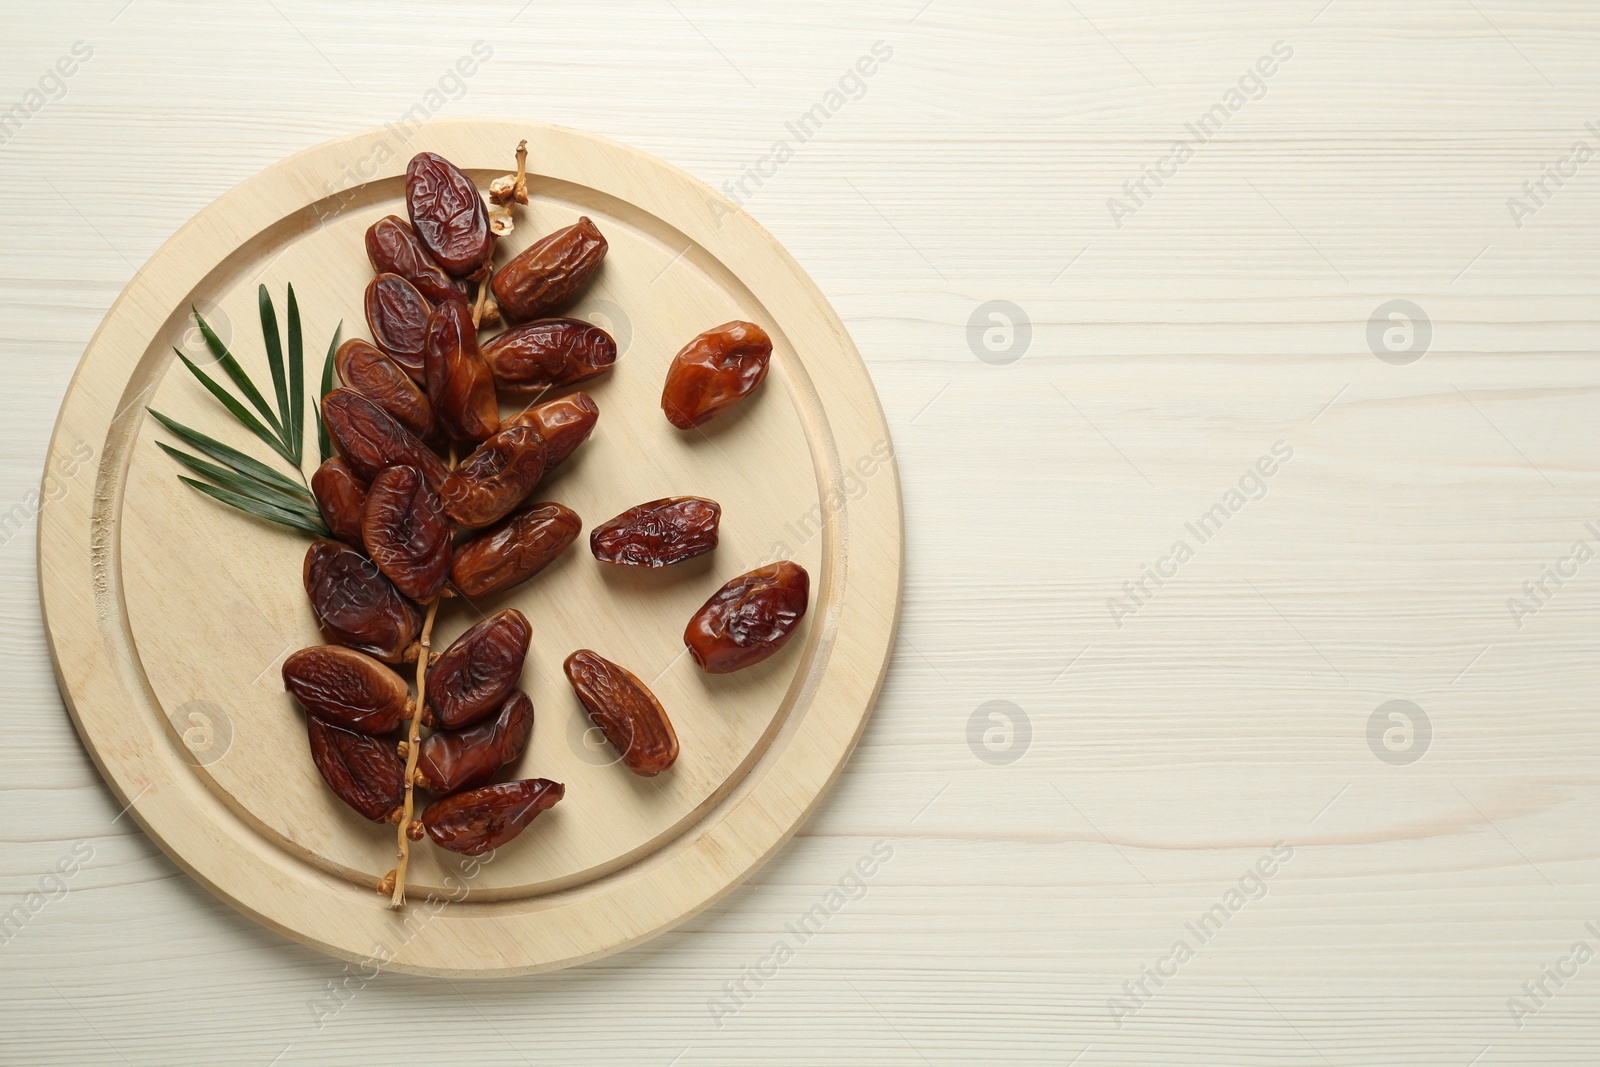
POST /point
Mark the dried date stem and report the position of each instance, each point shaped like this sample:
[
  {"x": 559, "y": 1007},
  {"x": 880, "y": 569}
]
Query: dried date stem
[
  {"x": 506, "y": 190},
  {"x": 394, "y": 883},
  {"x": 413, "y": 748},
  {"x": 483, "y": 291}
]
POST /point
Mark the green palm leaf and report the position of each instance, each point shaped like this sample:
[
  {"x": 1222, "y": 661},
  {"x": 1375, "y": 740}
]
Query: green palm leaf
[
  {"x": 236, "y": 373},
  {"x": 235, "y": 479},
  {"x": 232, "y": 457},
  {"x": 239, "y": 483},
  {"x": 237, "y": 410},
  {"x": 296, "y": 414},
  {"x": 280, "y": 384},
  {"x": 293, "y": 519},
  {"x": 325, "y": 446}
]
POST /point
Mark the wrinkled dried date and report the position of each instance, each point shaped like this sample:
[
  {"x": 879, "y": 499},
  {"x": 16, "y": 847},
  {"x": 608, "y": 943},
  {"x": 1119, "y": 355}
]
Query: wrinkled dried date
[
  {"x": 451, "y": 761},
  {"x": 481, "y": 820},
  {"x": 356, "y": 606},
  {"x": 550, "y": 273},
  {"x": 340, "y": 497},
  {"x": 397, "y": 315},
  {"x": 564, "y": 424},
  {"x": 748, "y": 619},
  {"x": 478, "y": 670},
  {"x": 384, "y": 382},
  {"x": 627, "y": 713},
  {"x": 393, "y": 248},
  {"x": 447, "y": 214},
  {"x": 548, "y": 353},
  {"x": 658, "y": 533},
  {"x": 362, "y": 771},
  {"x": 514, "y": 551},
  {"x": 406, "y": 532},
  {"x": 489, "y": 484},
  {"x": 459, "y": 383},
  {"x": 714, "y": 372},
  {"x": 347, "y": 688},
  {"x": 370, "y": 441}
]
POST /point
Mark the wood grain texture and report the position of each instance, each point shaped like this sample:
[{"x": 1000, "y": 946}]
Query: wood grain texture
[{"x": 1175, "y": 750}]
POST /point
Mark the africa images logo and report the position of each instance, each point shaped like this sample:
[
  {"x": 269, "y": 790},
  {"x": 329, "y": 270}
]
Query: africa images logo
[{"x": 1252, "y": 85}]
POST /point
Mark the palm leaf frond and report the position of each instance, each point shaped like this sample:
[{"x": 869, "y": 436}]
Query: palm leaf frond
[
  {"x": 231, "y": 457},
  {"x": 324, "y": 445},
  {"x": 296, "y": 413},
  {"x": 293, "y": 519},
  {"x": 280, "y": 382},
  {"x": 235, "y": 372},
  {"x": 236, "y": 479},
  {"x": 241, "y": 484},
  {"x": 236, "y": 409}
]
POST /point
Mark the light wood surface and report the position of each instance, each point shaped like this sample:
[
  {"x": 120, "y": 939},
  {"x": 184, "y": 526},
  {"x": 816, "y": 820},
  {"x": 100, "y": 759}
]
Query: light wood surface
[
  {"x": 169, "y": 617},
  {"x": 1173, "y": 752}
]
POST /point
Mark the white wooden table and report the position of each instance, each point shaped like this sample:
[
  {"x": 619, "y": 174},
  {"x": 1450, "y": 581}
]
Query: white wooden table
[{"x": 1193, "y": 830}]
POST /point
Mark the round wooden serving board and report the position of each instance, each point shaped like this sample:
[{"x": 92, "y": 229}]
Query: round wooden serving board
[{"x": 169, "y": 615}]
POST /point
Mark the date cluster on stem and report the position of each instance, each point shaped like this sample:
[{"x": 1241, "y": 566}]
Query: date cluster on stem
[{"x": 431, "y": 497}]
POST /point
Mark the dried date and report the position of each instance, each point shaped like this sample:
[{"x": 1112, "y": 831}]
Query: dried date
[
  {"x": 397, "y": 315},
  {"x": 499, "y": 475},
  {"x": 481, "y": 820},
  {"x": 548, "y": 353},
  {"x": 659, "y": 533},
  {"x": 625, "y": 711},
  {"x": 347, "y": 688},
  {"x": 514, "y": 551},
  {"x": 714, "y": 372},
  {"x": 459, "y": 383},
  {"x": 362, "y": 771},
  {"x": 448, "y": 214},
  {"x": 451, "y": 761},
  {"x": 550, "y": 273},
  {"x": 748, "y": 619},
  {"x": 564, "y": 424},
  {"x": 393, "y": 248},
  {"x": 406, "y": 532},
  {"x": 340, "y": 496},
  {"x": 370, "y": 441},
  {"x": 475, "y": 674},
  {"x": 384, "y": 382},
  {"x": 356, "y": 606}
]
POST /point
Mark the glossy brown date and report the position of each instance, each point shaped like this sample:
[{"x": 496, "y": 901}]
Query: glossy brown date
[
  {"x": 406, "y": 532},
  {"x": 340, "y": 496},
  {"x": 451, "y": 761},
  {"x": 550, "y": 273},
  {"x": 748, "y": 619},
  {"x": 564, "y": 424},
  {"x": 347, "y": 688},
  {"x": 548, "y": 353},
  {"x": 397, "y": 315},
  {"x": 489, "y": 484},
  {"x": 460, "y": 386},
  {"x": 362, "y": 771},
  {"x": 627, "y": 713},
  {"x": 481, "y": 820},
  {"x": 384, "y": 382},
  {"x": 448, "y": 214},
  {"x": 659, "y": 533},
  {"x": 356, "y": 606},
  {"x": 478, "y": 671},
  {"x": 370, "y": 441},
  {"x": 714, "y": 372},
  {"x": 515, "y": 550},
  {"x": 393, "y": 248}
]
